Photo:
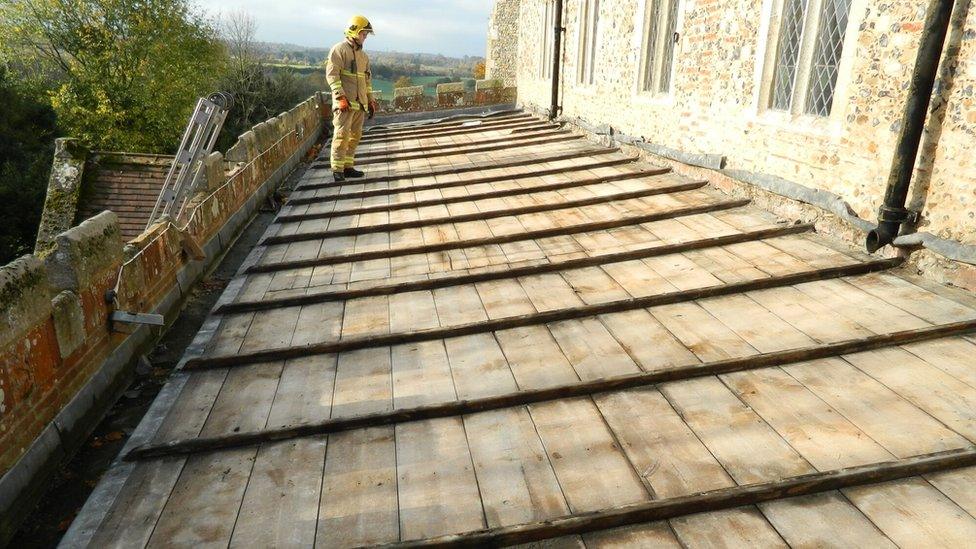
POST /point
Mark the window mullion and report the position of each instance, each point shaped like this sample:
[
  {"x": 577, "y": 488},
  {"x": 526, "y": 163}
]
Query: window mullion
[
  {"x": 545, "y": 40},
  {"x": 594, "y": 40},
  {"x": 662, "y": 26},
  {"x": 650, "y": 43},
  {"x": 804, "y": 65},
  {"x": 583, "y": 30},
  {"x": 786, "y": 59},
  {"x": 668, "y": 47}
]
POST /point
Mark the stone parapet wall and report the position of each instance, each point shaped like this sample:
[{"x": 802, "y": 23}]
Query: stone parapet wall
[
  {"x": 494, "y": 91},
  {"x": 409, "y": 99},
  {"x": 452, "y": 95},
  {"x": 715, "y": 104},
  {"x": 55, "y": 307}
]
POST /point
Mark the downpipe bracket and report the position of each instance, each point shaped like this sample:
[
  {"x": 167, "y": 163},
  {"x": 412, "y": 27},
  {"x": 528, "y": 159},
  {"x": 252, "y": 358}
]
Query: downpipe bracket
[
  {"x": 890, "y": 221},
  {"x": 898, "y": 215}
]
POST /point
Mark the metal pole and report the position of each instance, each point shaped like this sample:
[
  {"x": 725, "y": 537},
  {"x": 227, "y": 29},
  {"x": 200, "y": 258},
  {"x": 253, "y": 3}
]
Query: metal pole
[
  {"x": 893, "y": 213},
  {"x": 557, "y": 43}
]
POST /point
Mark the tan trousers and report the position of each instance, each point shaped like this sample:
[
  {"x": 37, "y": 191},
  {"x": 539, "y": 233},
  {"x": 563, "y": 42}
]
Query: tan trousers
[{"x": 348, "y": 127}]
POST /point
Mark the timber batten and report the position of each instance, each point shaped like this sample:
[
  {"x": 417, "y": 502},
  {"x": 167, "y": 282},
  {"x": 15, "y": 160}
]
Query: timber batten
[{"x": 457, "y": 408}]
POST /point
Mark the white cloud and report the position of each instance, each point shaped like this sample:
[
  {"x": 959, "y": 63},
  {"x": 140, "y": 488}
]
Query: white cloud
[{"x": 449, "y": 27}]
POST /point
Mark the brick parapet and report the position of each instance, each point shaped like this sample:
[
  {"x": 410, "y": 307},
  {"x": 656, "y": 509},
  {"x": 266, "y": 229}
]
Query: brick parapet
[{"x": 55, "y": 332}]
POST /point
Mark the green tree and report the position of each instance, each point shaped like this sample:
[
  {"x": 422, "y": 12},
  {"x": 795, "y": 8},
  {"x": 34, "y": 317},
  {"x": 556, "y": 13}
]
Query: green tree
[
  {"x": 27, "y": 132},
  {"x": 403, "y": 82},
  {"x": 260, "y": 91},
  {"x": 125, "y": 73}
]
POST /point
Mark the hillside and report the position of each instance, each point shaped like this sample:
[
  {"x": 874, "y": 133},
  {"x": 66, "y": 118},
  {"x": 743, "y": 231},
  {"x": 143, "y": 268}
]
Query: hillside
[{"x": 386, "y": 64}]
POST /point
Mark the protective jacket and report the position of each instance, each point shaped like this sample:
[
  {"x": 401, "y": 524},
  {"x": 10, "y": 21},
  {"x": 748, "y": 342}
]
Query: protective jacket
[{"x": 347, "y": 73}]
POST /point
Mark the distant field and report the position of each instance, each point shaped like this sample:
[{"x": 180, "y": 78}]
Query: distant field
[{"x": 381, "y": 85}]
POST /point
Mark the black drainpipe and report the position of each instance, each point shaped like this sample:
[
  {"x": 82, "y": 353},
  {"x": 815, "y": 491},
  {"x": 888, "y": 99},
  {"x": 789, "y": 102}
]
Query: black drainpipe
[
  {"x": 893, "y": 213},
  {"x": 557, "y": 48}
]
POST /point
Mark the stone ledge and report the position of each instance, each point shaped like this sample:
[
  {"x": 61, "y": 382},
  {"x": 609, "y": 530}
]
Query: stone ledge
[
  {"x": 25, "y": 299},
  {"x": 84, "y": 252},
  {"x": 409, "y": 91},
  {"x": 488, "y": 84},
  {"x": 451, "y": 87}
]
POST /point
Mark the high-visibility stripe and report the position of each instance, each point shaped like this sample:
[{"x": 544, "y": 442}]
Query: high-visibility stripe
[
  {"x": 344, "y": 72},
  {"x": 356, "y": 106},
  {"x": 335, "y": 85}
]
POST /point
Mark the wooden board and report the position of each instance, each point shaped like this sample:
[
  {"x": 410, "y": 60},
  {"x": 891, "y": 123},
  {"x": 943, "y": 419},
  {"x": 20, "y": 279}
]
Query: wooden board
[
  {"x": 359, "y": 490},
  {"x": 437, "y": 489}
]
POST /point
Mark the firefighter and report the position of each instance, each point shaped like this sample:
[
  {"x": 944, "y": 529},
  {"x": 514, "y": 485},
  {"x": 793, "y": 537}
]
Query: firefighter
[{"x": 352, "y": 96}]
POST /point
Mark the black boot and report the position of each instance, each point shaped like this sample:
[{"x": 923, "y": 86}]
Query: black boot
[
  {"x": 353, "y": 172},
  {"x": 339, "y": 177}
]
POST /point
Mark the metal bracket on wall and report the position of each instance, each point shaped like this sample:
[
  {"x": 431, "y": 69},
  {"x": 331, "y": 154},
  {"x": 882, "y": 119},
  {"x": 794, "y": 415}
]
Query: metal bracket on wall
[
  {"x": 151, "y": 319},
  {"x": 898, "y": 215},
  {"x": 126, "y": 317}
]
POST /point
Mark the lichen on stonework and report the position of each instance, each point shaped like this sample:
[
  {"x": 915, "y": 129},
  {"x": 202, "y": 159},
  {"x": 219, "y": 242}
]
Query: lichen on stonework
[{"x": 13, "y": 292}]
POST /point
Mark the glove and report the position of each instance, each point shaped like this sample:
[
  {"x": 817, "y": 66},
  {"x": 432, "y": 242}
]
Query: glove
[
  {"x": 343, "y": 104},
  {"x": 372, "y": 109}
]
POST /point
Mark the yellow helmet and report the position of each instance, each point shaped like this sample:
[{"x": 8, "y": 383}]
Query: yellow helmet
[{"x": 358, "y": 24}]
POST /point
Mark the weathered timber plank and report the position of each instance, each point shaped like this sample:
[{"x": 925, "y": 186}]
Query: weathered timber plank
[
  {"x": 553, "y": 392},
  {"x": 530, "y": 270},
  {"x": 515, "y": 477},
  {"x": 534, "y": 140},
  {"x": 479, "y": 216},
  {"x": 870, "y": 405},
  {"x": 716, "y": 500},
  {"x": 914, "y": 514},
  {"x": 822, "y": 436},
  {"x": 941, "y": 395},
  {"x": 801, "y": 521},
  {"x": 538, "y": 318},
  {"x": 396, "y": 154},
  {"x": 513, "y": 236},
  {"x": 509, "y": 128},
  {"x": 521, "y": 161},
  {"x": 591, "y": 467},
  {"x": 359, "y": 490},
  {"x": 451, "y": 185},
  {"x": 499, "y": 193},
  {"x": 281, "y": 503},
  {"x": 438, "y": 491},
  {"x": 429, "y": 130}
]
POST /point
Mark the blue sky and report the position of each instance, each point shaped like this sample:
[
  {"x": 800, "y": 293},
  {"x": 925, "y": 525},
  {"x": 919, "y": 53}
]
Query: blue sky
[{"x": 449, "y": 27}]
